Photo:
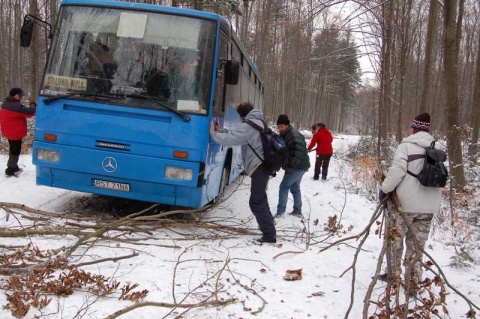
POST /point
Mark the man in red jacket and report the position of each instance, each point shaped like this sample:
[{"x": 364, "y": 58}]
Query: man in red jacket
[
  {"x": 323, "y": 140},
  {"x": 13, "y": 122}
]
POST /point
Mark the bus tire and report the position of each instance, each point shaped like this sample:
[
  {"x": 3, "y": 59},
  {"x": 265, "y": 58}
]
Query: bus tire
[{"x": 224, "y": 180}]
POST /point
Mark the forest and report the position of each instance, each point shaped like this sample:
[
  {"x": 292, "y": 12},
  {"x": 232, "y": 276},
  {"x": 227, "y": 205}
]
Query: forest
[
  {"x": 361, "y": 67},
  {"x": 365, "y": 68}
]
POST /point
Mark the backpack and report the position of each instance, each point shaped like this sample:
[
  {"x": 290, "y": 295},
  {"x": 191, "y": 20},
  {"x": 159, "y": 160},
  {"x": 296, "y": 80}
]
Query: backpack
[
  {"x": 275, "y": 150},
  {"x": 434, "y": 173}
]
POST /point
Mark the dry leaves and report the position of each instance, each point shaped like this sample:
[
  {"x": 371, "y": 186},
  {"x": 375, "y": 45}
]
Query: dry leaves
[
  {"x": 292, "y": 275},
  {"x": 317, "y": 294}
]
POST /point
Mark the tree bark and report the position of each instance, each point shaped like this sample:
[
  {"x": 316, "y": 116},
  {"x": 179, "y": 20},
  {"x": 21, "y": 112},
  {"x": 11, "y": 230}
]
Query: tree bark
[
  {"x": 475, "y": 111},
  {"x": 404, "y": 50},
  {"x": 385, "y": 79},
  {"x": 454, "y": 142},
  {"x": 432, "y": 26},
  {"x": 34, "y": 55}
]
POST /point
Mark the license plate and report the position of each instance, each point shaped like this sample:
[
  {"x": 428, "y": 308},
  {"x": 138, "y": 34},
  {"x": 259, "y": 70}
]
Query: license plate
[{"x": 121, "y": 187}]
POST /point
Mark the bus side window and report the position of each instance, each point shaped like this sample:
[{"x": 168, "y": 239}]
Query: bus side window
[{"x": 219, "y": 103}]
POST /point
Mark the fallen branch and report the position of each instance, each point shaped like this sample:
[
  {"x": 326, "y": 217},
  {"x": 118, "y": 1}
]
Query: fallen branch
[
  {"x": 123, "y": 311},
  {"x": 114, "y": 259}
]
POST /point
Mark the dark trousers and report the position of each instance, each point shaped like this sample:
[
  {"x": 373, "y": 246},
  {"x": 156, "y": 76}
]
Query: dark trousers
[
  {"x": 322, "y": 161},
  {"x": 15, "y": 147},
  {"x": 13, "y": 155},
  {"x": 259, "y": 202}
]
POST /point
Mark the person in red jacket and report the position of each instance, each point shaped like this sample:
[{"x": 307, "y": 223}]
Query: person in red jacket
[
  {"x": 323, "y": 140},
  {"x": 13, "y": 122}
]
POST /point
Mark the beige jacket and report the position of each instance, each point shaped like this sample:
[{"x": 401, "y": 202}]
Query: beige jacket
[{"x": 414, "y": 197}]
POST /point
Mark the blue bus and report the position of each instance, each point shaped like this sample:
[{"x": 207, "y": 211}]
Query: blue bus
[{"x": 127, "y": 98}]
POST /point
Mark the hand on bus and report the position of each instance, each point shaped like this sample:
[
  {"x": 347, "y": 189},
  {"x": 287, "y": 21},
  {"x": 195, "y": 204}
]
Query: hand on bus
[
  {"x": 215, "y": 126},
  {"x": 212, "y": 127}
]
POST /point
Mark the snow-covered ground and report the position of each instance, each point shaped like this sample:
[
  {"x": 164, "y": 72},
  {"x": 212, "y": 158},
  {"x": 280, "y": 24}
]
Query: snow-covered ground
[{"x": 187, "y": 265}]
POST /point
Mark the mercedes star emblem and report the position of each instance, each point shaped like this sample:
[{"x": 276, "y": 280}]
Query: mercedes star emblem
[{"x": 109, "y": 164}]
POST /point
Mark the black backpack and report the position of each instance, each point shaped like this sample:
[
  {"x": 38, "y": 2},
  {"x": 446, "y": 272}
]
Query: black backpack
[
  {"x": 434, "y": 173},
  {"x": 275, "y": 150}
]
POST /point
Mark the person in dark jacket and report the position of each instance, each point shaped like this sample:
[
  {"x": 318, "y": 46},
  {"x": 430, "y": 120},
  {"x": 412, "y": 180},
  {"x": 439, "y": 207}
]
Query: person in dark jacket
[
  {"x": 323, "y": 140},
  {"x": 249, "y": 139},
  {"x": 13, "y": 122},
  {"x": 298, "y": 163}
]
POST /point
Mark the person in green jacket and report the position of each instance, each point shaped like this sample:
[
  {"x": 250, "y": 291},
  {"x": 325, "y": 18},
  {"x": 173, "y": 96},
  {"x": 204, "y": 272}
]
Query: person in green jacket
[{"x": 298, "y": 163}]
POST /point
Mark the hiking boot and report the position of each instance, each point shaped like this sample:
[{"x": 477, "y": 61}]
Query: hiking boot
[
  {"x": 324, "y": 178},
  {"x": 267, "y": 240},
  {"x": 17, "y": 170},
  {"x": 296, "y": 214},
  {"x": 9, "y": 172},
  {"x": 279, "y": 215},
  {"x": 315, "y": 177}
]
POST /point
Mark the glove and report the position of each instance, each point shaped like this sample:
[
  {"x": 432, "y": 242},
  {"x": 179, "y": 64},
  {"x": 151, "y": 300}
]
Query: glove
[{"x": 382, "y": 195}]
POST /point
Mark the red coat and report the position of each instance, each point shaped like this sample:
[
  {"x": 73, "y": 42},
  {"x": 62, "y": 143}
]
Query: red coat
[
  {"x": 323, "y": 140},
  {"x": 13, "y": 119}
]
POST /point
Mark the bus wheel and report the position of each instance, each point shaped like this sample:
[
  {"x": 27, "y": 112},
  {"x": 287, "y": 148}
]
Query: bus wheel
[{"x": 224, "y": 181}]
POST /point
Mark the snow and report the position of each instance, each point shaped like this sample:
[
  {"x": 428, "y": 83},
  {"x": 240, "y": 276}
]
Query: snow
[{"x": 230, "y": 265}]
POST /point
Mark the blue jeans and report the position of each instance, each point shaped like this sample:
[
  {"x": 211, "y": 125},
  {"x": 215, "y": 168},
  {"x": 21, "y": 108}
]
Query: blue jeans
[{"x": 290, "y": 182}]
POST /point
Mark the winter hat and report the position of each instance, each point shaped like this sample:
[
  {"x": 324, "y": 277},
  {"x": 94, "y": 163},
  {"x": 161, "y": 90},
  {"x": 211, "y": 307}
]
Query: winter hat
[
  {"x": 283, "y": 119},
  {"x": 421, "y": 122},
  {"x": 15, "y": 91},
  {"x": 321, "y": 125},
  {"x": 244, "y": 108}
]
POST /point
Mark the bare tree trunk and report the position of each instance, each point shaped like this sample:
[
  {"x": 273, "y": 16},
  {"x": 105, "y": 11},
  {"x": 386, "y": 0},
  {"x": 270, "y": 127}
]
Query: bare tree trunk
[
  {"x": 475, "y": 111},
  {"x": 385, "y": 80},
  {"x": 432, "y": 26},
  {"x": 451, "y": 88},
  {"x": 404, "y": 49},
  {"x": 17, "y": 57},
  {"x": 197, "y": 5},
  {"x": 244, "y": 25},
  {"x": 3, "y": 57},
  {"x": 34, "y": 54}
]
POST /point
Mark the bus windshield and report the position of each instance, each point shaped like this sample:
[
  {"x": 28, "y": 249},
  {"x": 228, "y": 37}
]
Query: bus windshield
[{"x": 121, "y": 53}]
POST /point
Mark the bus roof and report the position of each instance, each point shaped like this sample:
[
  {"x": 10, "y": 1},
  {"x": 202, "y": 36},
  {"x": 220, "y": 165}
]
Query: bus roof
[{"x": 147, "y": 7}]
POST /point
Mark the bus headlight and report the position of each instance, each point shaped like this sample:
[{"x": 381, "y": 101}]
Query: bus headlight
[
  {"x": 48, "y": 155},
  {"x": 178, "y": 173}
]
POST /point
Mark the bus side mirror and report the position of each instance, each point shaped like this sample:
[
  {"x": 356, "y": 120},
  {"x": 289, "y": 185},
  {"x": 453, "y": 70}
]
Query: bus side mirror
[
  {"x": 233, "y": 71},
  {"x": 26, "y": 33}
]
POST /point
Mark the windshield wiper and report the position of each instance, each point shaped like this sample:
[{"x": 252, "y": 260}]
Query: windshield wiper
[
  {"x": 158, "y": 101},
  {"x": 154, "y": 99},
  {"x": 58, "y": 97}
]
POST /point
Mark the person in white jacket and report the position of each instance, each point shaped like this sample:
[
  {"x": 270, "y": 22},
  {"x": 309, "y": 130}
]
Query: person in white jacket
[{"x": 419, "y": 203}]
